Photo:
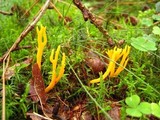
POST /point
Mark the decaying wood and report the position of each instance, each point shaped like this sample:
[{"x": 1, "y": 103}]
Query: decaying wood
[
  {"x": 87, "y": 15},
  {"x": 26, "y": 30}
]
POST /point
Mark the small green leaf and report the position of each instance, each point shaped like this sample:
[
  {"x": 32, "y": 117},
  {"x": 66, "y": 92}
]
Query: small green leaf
[
  {"x": 145, "y": 108},
  {"x": 156, "y": 30},
  {"x": 147, "y": 22},
  {"x": 142, "y": 44},
  {"x": 150, "y": 37},
  {"x": 155, "y": 109},
  {"x": 156, "y": 17},
  {"x": 133, "y": 101},
  {"x": 134, "y": 112},
  {"x": 157, "y": 7}
]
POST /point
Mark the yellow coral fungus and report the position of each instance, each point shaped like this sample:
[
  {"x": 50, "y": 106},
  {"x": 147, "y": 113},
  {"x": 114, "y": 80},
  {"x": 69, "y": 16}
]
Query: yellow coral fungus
[
  {"x": 55, "y": 77},
  {"x": 41, "y": 43},
  {"x": 114, "y": 55}
]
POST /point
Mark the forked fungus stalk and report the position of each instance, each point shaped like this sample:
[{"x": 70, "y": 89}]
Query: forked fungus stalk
[
  {"x": 56, "y": 77},
  {"x": 41, "y": 44},
  {"x": 114, "y": 55}
]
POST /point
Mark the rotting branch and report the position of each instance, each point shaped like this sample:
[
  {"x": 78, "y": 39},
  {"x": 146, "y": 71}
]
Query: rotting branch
[{"x": 87, "y": 15}]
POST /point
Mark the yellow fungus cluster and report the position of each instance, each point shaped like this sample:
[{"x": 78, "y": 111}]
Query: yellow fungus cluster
[
  {"x": 41, "y": 44},
  {"x": 55, "y": 77},
  {"x": 114, "y": 55}
]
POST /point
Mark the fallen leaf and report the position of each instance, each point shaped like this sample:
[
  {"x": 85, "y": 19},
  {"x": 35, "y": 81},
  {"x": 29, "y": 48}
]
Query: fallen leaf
[
  {"x": 110, "y": 42},
  {"x": 37, "y": 87},
  {"x": 32, "y": 91},
  {"x": 37, "y": 91},
  {"x": 133, "y": 20},
  {"x": 94, "y": 62},
  {"x": 36, "y": 116},
  {"x": 10, "y": 72},
  {"x": 86, "y": 115},
  {"x": 33, "y": 116},
  {"x": 115, "y": 113}
]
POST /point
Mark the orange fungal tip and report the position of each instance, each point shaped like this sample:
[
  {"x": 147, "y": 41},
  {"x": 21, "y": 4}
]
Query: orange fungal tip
[
  {"x": 114, "y": 55},
  {"x": 56, "y": 76},
  {"x": 42, "y": 41}
]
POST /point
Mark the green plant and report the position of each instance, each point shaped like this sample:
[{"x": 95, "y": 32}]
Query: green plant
[
  {"x": 135, "y": 108},
  {"x": 16, "y": 104},
  {"x": 143, "y": 44},
  {"x": 141, "y": 76},
  {"x": 148, "y": 39}
]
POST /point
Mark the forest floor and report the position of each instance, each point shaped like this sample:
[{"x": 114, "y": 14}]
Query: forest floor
[{"x": 80, "y": 60}]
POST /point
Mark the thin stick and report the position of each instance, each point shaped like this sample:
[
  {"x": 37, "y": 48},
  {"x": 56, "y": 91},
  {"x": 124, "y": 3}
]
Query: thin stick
[
  {"x": 27, "y": 30},
  {"x": 38, "y": 115},
  {"x": 6, "y": 13},
  {"x": 66, "y": 3},
  {"x": 3, "y": 87},
  {"x": 60, "y": 15},
  {"x": 92, "y": 98},
  {"x": 23, "y": 47},
  {"x": 30, "y": 8}
]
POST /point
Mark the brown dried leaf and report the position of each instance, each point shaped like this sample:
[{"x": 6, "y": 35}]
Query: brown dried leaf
[
  {"x": 94, "y": 62},
  {"x": 86, "y": 115},
  {"x": 11, "y": 70},
  {"x": 115, "y": 113},
  {"x": 34, "y": 117},
  {"x": 32, "y": 91},
  {"x": 133, "y": 20},
  {"x": 37, "y": 85},
  {"x": 110, "y": 42}
]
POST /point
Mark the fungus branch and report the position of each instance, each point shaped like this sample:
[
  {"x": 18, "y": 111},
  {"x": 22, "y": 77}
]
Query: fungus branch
[
  {"x": 55, "y": 77},
  {"x": 41, "y": 44},
  {"x": 114, "y": 55}
]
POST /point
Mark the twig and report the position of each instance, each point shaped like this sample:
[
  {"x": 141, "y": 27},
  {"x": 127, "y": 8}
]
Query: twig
[
  {"x": 26, "y": 30},
  {"x": 60, "y": 15},
  {"x": 6, "y": 13},
  {"x": 62, "y": 101},
  {"x": 3, "y": 88},
  {"x": 87, "y": 15},
  {"x": 66, "y": 3},
  {"x": 23, "y": 47},
  {"x": 30, "y": 8},
  {"x": 38, "y": 115}
]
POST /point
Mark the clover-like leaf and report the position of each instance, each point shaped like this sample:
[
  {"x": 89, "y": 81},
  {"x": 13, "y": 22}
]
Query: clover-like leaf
[
  {"x": 145, "y": 108},
  {"x": 155, "y": 109},
  {"x": 133, "y": 101},
  {"x": 134, "y": 112},
  {"x": 142, "y": 44},
  {"x": 157, "y": 7},
  {"x": 147, "y": 22},
  {"x": 156, "y": 17},
  {"x": 150, "y": 37},
  {"x": 156, "y": 30}
]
